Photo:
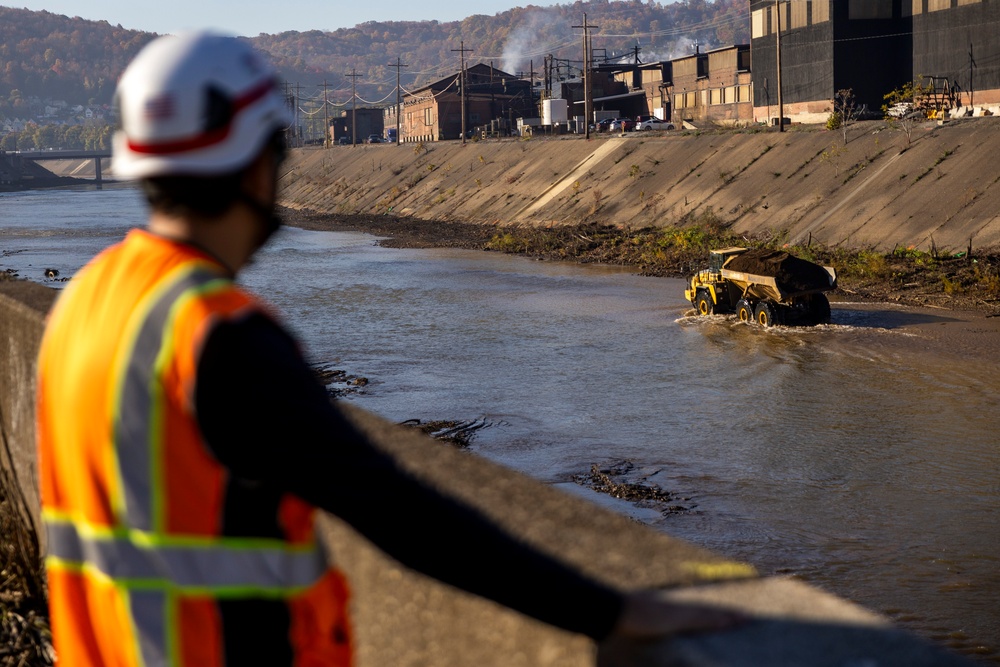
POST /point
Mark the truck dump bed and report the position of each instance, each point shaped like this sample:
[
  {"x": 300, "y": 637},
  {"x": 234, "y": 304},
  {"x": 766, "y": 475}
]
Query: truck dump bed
[{"x": 776, "y": 275}]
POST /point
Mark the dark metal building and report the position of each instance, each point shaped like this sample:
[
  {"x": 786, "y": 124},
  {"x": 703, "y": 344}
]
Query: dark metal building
[{"x": 871, "y": 47}]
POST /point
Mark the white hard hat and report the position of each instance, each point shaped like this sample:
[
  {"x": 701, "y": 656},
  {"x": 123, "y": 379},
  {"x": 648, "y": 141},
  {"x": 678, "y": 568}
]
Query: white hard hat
[{"x": 195, "y": 104}]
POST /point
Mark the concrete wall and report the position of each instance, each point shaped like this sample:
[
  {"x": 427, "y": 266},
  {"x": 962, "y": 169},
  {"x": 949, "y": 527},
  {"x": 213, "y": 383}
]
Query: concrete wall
[
  {"x": 403, "y": 618},
  {"x": 22, "y": 310}
]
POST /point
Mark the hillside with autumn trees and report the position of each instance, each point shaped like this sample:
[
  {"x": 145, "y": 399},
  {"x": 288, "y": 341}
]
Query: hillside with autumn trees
[
  {"x": 516, "y": 41},
  {"x": 48, "y": 58}
]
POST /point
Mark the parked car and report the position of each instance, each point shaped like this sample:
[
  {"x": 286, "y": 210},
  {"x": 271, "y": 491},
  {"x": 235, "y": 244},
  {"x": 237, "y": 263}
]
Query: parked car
[
  {"x": 654, "y": 124},
  {"x": 374, "y": 139},
  {"x": 640, "y": 119},
  {"x": 343, "y": 141},
  {"x": 622, "y": 125},
  {"x": 604, "y": 124}
]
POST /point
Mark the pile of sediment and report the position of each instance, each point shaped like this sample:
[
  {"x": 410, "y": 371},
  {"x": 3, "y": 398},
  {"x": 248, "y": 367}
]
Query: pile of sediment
[{"x": 790, "y": 273}]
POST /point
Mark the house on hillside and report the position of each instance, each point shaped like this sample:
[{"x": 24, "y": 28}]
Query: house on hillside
[
  {"x": 871, "y": 47},
  {"x": 494, "y": 100}
]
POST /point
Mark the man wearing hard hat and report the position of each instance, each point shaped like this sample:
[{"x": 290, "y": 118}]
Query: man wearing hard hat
[{"x": 185, "y": 445}]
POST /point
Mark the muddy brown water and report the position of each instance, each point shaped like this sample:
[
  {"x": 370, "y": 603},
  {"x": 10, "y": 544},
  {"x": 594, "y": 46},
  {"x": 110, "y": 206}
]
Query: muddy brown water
[{"x": 855, "y": 455}]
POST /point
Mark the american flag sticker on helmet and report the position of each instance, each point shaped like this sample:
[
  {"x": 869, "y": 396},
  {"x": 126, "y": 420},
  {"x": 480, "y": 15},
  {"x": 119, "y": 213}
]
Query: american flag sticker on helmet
[{"x": 160, "y": 107}]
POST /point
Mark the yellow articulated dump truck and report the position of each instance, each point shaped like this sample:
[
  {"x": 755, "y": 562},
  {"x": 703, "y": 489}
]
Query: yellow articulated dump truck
[{"x": 768, "y": 287}]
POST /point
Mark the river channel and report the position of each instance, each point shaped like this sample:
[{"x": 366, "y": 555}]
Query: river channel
[{"x": 838, "y": 453}]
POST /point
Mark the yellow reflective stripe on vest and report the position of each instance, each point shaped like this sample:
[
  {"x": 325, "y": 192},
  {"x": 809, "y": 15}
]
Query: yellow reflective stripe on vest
[
  {"x": 223, "y": 567},
  {"x": 137, "y": 425}
]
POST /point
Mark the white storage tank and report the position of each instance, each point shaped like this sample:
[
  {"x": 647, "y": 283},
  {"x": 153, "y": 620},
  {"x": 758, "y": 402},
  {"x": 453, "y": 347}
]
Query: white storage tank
[{"x": 554, "y": 111}]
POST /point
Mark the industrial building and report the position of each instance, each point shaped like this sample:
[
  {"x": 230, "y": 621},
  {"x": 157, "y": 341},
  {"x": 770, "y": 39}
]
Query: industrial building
[
  {"x": 493, "y": 98},
  {"x": 871, "y": 47}
]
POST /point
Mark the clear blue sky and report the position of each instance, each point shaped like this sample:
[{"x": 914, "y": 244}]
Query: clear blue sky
[{"x": 251, "y": 17}]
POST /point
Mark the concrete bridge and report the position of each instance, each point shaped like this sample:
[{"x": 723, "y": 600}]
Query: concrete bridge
[
  {"x": 16, "y": 167},
  {"x": 406, "y": 619}
]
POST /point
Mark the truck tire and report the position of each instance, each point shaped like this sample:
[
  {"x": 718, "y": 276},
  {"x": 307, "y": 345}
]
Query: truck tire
[
  {"x": 764, "y": 314},
  {"x": 744, "y": 311},
  {"x": 703, "y": 303},
  {"x": 819, "y": 309}
]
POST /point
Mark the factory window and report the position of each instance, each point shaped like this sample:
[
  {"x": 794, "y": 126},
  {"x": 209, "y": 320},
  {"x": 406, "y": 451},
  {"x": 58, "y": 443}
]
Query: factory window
[
  {"x": 820, "y": 11},
  {"x": 757, "y": 27}
]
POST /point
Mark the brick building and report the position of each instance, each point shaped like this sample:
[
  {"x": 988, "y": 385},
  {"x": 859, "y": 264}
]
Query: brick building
[{"x": 493, "y": 98}]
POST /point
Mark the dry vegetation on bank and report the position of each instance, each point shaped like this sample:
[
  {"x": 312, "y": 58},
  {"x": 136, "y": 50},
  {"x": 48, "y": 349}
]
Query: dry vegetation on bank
[{"x": 25, "y": 639}]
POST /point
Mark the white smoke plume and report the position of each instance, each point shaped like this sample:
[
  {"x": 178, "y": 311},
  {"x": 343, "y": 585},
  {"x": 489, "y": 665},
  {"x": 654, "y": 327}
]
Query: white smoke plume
[
  {"x": 520, "y": 47},
  {"x": 679, "y": 48}
]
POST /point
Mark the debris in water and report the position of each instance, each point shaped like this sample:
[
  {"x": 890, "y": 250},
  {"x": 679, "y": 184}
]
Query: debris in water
[
  {"x": 642, "y": 494},
  {"x": 456, "y": 433},
  {"x": 345, "y": 383}
]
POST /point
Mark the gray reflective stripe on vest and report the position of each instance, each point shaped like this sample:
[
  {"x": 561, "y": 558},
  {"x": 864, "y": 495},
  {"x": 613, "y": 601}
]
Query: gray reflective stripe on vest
[
  {"x": 134, "y": 424},
  {"x": 219, "y": 566},
  {"x": 149, "y": 614}
]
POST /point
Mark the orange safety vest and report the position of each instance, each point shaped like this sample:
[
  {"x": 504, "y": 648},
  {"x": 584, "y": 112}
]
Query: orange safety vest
[{"x": 133, "y": 498}]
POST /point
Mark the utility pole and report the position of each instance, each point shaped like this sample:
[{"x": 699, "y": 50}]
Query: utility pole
[
  {"x": 298, "y": 122},
  {"x": 462, "y": 50},
  {"x": 972, "y": 91},
  {"x": 354, "y": 107},
  {"x": 399, "y": 108},
  {"x": 326, "y": 118},
  {"x": 587, "y": 103},
  {"x": 781, "y": 104}
]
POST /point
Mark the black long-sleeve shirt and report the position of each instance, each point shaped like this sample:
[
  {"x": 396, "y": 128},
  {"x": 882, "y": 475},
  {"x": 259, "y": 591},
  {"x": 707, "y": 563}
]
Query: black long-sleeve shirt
[{"x": 268, "y": 420}]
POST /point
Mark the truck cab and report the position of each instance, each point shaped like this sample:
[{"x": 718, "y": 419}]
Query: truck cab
[{"x": 709, "y": 293}]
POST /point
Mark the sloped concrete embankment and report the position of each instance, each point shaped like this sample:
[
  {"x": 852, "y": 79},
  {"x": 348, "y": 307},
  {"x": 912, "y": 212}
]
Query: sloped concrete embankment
[
  {"x": 877, "y": 190},
  {"x": 405, "y": 619}
]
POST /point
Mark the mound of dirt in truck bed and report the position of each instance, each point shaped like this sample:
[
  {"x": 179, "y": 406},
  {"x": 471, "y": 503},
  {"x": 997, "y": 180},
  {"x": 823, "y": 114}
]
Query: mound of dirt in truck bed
[{"x": 791, "y": 273}]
